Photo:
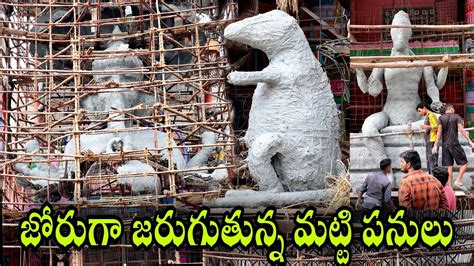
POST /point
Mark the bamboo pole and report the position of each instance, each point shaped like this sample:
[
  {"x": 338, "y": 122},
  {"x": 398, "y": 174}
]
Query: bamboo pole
[
  {"x": 407, "y": 64},
  {"x": 410, "y": 58},
  {"x": 414, "y": 27},
  {"x": 397, "y": 133}
]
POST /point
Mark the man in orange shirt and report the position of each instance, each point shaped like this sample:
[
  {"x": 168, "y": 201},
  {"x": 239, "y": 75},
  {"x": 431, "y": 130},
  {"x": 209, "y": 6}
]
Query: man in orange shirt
[{"x": 419, "y": 190}]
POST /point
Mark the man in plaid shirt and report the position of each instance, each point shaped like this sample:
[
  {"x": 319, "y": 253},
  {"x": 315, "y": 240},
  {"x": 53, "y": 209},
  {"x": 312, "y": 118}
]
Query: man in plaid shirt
[{"x": 419, "y": 190}]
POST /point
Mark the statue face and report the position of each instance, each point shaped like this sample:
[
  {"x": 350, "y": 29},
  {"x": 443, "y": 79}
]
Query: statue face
[
  {"x": 400, "y": 38},
  {"x": 262, "y": 31}
]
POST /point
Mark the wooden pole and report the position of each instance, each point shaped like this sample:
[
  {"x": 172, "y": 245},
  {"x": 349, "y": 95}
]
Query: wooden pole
[
  {"x": 410, "y": 58},
  {"x": 407, "y": 64},
  {"x": 77, "y": 255},
  {"x": 415, "y": 27}
]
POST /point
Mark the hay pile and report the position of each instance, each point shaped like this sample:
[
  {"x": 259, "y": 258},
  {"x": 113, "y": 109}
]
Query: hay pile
[{"x": 341, "y": 184}]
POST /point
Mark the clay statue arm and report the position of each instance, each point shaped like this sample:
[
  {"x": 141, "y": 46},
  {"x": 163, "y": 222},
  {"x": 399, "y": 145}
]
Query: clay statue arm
[
  {"x": 442, "y": 74},
  {"x": 431, "y": 84},
  {"x": 441, "y": 78},
  {"x": 374, "y": 84},
  {"x": 22, "y": 168},
  {"x": 252, "y": 78}
]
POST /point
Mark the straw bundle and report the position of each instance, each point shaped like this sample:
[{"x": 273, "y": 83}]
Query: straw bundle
[
  {"x": 341, "y": 184},
  {"x": 287, "y": 5}
]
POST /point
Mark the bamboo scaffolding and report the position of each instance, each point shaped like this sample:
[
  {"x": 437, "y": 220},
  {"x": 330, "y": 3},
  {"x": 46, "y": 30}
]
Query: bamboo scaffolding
[
  {"x": 50, "y": 74},
  {"x": 465, "y": 248},
  {"x": 39, "y": 83}
]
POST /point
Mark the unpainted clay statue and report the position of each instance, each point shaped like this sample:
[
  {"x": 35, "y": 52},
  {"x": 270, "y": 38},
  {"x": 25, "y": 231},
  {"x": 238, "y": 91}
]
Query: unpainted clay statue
[
  {"x": 114, "y": 143},
  {"x": 138, "y": 141},
  {"x": 114, "y": 97},
  {"x": 293, "y": 132},
  {"x": 402, "y": 89},
  {"x": 200, "y": 160},
  {"x": 469, "y": 46},
  {"x": 147, "y": 182},
  {"x": 37, "y": 169},
  {"x": 118, "y": 98}
]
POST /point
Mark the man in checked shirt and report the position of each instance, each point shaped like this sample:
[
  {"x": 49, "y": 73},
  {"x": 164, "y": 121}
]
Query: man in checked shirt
[{"x": 419, "y": 190}]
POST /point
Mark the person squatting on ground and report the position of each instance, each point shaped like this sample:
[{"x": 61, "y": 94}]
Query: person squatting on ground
[
  {"x": 377, "y": 188},
  {"x": 431, "y": 128},
  {"x": 419, "y": 190},
  {"x": 448, "y": 126},
  {"x": 441, "y": 173}
]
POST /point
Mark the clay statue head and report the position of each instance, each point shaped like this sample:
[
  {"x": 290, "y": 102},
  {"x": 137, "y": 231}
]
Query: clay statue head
[
  {"x": 32, "y": 146},
  {"x": 265, "y": 31},
  {"x": 400, "y": 36},
  {"x": 116, "y": 63}
]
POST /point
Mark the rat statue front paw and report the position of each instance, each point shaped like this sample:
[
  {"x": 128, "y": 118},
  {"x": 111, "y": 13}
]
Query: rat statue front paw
[{"x": 234, "y": 77}]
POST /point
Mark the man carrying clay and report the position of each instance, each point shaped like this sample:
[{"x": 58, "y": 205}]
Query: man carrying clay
[{"x": 448, "y": 126}]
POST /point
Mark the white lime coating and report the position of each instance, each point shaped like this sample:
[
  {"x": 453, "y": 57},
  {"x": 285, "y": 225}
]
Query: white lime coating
[
  {"x": 200, "y": 159},
  {"x": 293, "y": 133},
  {"x": 40, "y": 168},
  {"x": 114, "y": 97},
  {"x": 256, "y": 199},
  {"x": 146, "y": 183}
]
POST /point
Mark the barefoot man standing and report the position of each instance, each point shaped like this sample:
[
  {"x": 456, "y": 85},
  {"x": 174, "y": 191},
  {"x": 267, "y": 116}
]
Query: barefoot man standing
[{"x": 448, "y": 126}]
